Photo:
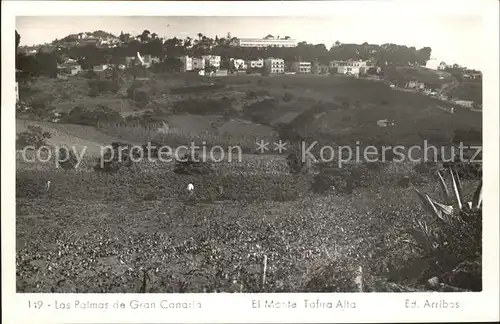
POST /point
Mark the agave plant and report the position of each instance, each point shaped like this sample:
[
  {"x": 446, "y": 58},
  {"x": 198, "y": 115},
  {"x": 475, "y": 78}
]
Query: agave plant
[
  {"x": 454, "y": 235},
  {"x": 452, "y": 204}
]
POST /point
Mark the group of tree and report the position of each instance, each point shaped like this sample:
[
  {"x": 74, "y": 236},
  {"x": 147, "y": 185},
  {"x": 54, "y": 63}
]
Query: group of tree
[{"x": 150, "y": 43}]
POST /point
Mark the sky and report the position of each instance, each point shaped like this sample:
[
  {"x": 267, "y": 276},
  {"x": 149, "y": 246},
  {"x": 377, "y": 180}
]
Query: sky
[{"x": 453, "y": 39}]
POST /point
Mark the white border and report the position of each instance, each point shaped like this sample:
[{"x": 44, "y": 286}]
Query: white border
[{"x": 235, "y": 308}]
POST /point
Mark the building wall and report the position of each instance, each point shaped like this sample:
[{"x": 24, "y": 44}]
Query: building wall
[
  {"x": 198, "y": 63},
  {"x": 348, "y": 67},
  {"x": 212, "y": 60},
  {"x": 275, "y": 65},
  {"x": 187, "y": 63},
  {"x": 301, "y": 67},
  {"x": 100, "y": 68},
  {"x": 75, "y": 69},
  {"x": 255, "y": 63},
  {"x": 260, "y": 42},
  {"x": 238, "y": 64}
]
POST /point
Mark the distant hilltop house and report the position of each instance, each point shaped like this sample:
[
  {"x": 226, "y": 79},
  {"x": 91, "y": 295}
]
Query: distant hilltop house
[
  {"x": 464, "y": 103},
  {"x": 302, "y": 67},
  {"x": 197, "y": 64},
  {"x": 348, "y": 67},
  {"x": 442, "y": 66},
  {"x": 415, "y": 85},
  {"x": 472, "y": 74},
  {"x": 70, "y": 66},
  {"x": 268, "y": 41},
  {"x": 385, "y": 123}
]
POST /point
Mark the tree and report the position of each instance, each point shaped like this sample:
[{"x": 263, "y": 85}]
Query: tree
[
  {"x": 18, "y": 40},
  {"x": 125, "y": 38},
  {"x": 145, "y": 35}
]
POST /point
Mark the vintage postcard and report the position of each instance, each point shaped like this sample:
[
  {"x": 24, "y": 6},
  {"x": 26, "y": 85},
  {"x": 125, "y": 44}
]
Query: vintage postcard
[{"x": 248, "y": 162}]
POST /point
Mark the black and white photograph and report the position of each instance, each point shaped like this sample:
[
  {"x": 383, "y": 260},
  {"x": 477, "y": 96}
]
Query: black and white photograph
[
  {"x": 210, "y": 154},
  {"x": 246, "y": 154}
]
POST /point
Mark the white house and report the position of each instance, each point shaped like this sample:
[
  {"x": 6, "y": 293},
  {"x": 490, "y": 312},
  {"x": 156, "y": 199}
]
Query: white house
[
  {"x": 192, "y": 63},
  {"x": 212, "y": 60},
  {"x": 100, "y": 68},
  {"x": 385, "y": 123},
  {"x": 255, "y": 63},
  {"x": 238, "y": 64},
  {"x": 415, "y": 85},
  {"x": 187, "y": 63},
  {"x": 17, "y": 91},
  {"x": 465, "y": 103},
  {"x": 301, "y": 67},
  {"x": 274, "y": 65},
  {"x": 198, "y": 63},
  {"x": 348, "y": 67}
]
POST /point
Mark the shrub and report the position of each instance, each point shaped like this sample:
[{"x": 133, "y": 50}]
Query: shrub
[
  {"x": 191, "y": 165},
  {"x": 345, "y": 105},
  {"x": 34, "y": 136},
  {"x": 296, "y": 163},
  {"x": 113, "y": 160},
  {"x": 67, "y": 158},
  {"x": 287, "y": 97}
]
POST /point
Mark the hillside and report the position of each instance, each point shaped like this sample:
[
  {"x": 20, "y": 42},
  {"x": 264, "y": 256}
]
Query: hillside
[
  {"x": 72, "y": 135},
  {"x": 341, "y": 109}
]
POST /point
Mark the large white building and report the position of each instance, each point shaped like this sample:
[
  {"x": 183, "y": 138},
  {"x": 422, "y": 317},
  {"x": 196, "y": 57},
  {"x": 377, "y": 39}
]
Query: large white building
[
  {"x": 274, "y": 65},
  {"x": 265, "y": 42},
  {"x": 348, "y": 67}
]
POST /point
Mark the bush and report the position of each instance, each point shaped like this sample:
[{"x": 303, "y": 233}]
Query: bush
[
  {"x": 34, "y": 136},
  {"x": 67, "y": 158},
  {"x": 287, "y": 97},
  {"x": 192, "y": 165},
  {"x": 101, "y": 86},
  {"x": 112, "y": 161}
]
